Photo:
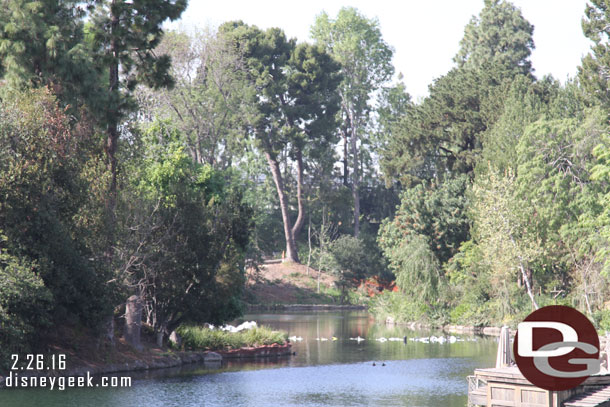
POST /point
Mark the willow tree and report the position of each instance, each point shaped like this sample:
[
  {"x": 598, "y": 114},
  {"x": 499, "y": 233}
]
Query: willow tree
[
  {"x": 366, "y": 63},
  {"x": 296, "y": 103}
]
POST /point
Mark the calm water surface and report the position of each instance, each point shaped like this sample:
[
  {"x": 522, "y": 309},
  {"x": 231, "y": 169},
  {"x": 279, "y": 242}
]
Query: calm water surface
[{"x": 323, "y": 373}]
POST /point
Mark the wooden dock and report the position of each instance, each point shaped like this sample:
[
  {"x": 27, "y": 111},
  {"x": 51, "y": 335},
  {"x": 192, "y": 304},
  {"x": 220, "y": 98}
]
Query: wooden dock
[{"x": 506, "y": 387}]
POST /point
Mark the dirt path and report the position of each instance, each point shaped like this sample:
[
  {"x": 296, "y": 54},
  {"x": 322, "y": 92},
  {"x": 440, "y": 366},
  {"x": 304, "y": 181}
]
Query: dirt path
[{"x": 281, "y": 283}]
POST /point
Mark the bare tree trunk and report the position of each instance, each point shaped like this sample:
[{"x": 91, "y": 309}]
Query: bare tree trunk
[
  {"x": 133, "y": 321},
  {"x": 298, "y": 224},
  {"x": 160, "y": 336},
  {"x": 345, "y": 168},
  {"x": 586, "y": 289},
  {"x": 355, "y": 176},
  {"x": 112, "y": 139},
  {"x": 527, "y": 284},
  {"x": 526, "y": 280},
  {"x": 309, "y": 244},
  {"x": 291, "y": 249}
]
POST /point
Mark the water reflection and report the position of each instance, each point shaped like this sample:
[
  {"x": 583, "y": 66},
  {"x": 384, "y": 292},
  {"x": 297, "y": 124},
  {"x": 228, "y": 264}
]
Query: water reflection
[
  {"x": 322, "y": 373},
  {"x": 347, "y": 325}
]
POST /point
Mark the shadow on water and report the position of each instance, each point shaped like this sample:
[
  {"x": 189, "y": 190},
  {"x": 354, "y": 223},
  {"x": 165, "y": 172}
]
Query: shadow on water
[{"x": 323, "y": 372}]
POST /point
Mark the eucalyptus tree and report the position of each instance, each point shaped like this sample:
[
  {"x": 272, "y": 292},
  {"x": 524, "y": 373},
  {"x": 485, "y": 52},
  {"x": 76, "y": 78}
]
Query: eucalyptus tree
[
  {"x": 296, "y": 103},
  {"x": 366, "y": 63},
  {"x": 211, "y": 99}
]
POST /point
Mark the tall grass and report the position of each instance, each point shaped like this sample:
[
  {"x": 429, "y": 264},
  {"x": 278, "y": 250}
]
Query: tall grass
[{"x": 198, "y": 338}]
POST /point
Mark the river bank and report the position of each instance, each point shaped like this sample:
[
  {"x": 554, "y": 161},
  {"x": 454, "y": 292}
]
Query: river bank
[
  {"x": 154, "y": 359},
  {"x": 467, "y": 329},
  {"x": 331, "y": 372},
  {"x": 305, "y": 307},
  {"x": 452, "y": 329}
]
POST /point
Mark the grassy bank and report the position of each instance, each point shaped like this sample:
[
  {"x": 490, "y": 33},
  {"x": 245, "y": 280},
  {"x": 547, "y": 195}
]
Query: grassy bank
[{"x": 199, "y": 338}]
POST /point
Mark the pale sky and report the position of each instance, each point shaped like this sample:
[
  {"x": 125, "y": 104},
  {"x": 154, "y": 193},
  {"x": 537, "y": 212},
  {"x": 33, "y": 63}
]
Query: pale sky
[{"x": 424, "y": 34}]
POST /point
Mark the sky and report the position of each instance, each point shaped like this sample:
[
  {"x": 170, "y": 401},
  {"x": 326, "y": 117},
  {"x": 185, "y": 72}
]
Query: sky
[{"x": 424, "y": 34}]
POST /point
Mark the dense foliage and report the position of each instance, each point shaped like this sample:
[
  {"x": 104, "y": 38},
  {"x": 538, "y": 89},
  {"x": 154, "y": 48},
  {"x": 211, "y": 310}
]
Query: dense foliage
[
  {"x": 527, "y": 227},
  {"x": 135, "y": 164}
]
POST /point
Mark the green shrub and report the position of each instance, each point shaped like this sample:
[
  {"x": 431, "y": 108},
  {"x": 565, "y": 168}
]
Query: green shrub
[{"x": 24, "y": 301}]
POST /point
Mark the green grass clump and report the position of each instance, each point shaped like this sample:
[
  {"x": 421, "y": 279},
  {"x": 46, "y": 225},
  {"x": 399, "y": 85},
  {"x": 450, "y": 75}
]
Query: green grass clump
[{"x": 199, "y": 338}]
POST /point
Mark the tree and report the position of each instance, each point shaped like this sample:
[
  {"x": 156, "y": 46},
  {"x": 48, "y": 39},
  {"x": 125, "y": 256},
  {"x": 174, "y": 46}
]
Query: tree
[
  {"x": 365, "y": 58},
  {"x": 124, "y": 36},
  {"x": 187, "y": 235},
  {"x": 211, "y": 100},
  {"x": 352, "y": 262},
  {"x": 554, "y": 163},
  {"x": 444, "y": 134},
  {"x": 524, "y": 103},
  {"x": 437, "y": 212},
  {"x": 44, "y": 193},
  {"x": 503, "y": 229},
  {"x": 499, "y": 37},
  {"x": 393, "y": 104},
  {"x": 42, "y": 43},
  {"x": 295, "y": 107},
  {"x": 441, "y": 136},
  {"x": 24, "y": 303},
  {"x": 594, "y": 73}
]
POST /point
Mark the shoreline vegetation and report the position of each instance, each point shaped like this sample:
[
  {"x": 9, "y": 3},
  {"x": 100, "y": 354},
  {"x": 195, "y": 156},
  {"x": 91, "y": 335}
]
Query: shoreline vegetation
[
  {"x": 203, "y": 338},
  {"x": 136, "y": 197},
  {"x": 198, "y": 345},
  {"x": 201, "y": 345}
]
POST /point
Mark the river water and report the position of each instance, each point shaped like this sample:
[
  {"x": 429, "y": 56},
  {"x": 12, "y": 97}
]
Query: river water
[{"x": 322, "y": 373}]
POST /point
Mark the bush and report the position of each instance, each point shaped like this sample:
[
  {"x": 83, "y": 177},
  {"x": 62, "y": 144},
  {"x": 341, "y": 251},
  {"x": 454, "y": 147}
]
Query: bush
[
  {"x": 352, "y": 263},
  {"x": 24, "y": 301}
]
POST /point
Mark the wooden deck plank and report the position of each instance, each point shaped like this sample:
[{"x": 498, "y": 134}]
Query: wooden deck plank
[{"x": 594, "y": 392}]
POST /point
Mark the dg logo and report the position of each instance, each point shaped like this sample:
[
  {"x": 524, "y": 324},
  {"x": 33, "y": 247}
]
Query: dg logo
[{"x": 556, "y": 348}]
